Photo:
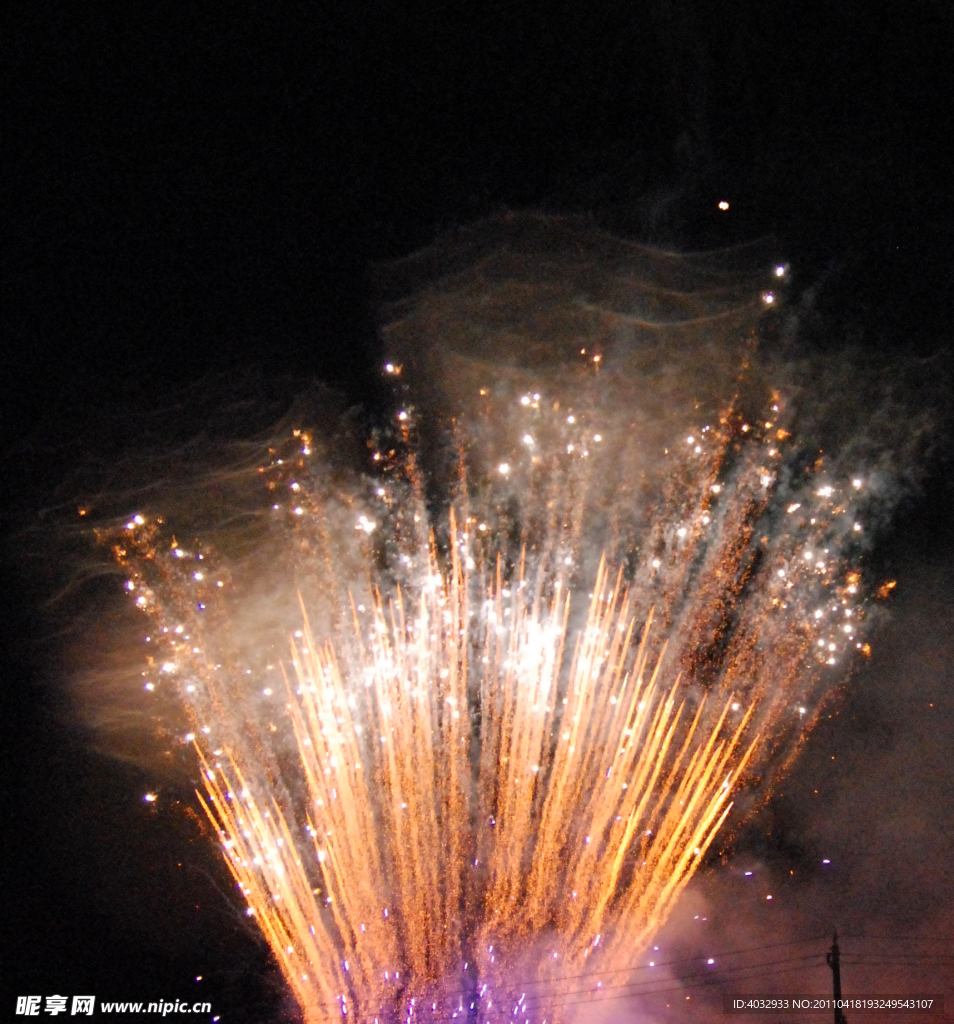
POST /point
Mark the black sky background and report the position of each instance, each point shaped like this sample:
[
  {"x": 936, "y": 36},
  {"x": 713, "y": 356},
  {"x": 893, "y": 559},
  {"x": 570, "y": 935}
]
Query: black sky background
[{"x": 199, "y": 189}]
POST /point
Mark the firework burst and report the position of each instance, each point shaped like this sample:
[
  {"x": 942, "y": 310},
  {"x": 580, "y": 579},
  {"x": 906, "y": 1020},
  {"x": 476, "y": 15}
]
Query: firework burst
[
  {"x": 474, "y": 766},
  {"x": 528, "y": 681}
]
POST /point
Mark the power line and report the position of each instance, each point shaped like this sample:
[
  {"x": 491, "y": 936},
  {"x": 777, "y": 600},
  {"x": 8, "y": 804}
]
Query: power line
[
  {"x": 667, "y": 963},
  {"x": 600, "y": 998},
  {"x": 715, "y": 975},
  {"x": 717, "y": 956},
  {"x": 860, "y": 960}
]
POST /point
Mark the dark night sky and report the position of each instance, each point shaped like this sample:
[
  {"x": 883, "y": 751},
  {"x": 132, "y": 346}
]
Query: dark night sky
[{"x": 192, "y": 190}]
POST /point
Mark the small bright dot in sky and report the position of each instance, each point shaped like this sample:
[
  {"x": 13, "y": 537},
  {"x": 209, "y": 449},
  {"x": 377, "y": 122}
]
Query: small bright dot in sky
[
  {"x": 779, "y": 271},
  {"x": 768, "y": 298},
  {"x": 504, "y": 468},
  {"x": 150, "y": 798},
  {"x": 723, "y": 205},
  {"x": 826, "y": 862},
  {"x": 710, "y": 960}
]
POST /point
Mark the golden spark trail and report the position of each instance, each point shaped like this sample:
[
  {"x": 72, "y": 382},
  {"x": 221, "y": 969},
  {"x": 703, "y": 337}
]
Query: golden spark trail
[{"x": 580, "y": 817}]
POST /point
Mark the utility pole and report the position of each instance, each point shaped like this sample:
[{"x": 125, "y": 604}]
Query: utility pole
[{"x": 834, "y": 962}]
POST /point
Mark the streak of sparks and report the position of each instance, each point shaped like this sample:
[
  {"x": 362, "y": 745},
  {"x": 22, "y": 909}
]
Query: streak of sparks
[{"x": 394, "y": 824}]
